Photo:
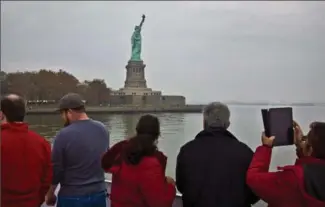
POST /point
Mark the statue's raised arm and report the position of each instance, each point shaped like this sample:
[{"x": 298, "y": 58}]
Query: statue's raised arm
[{"x": 142, "y": 21}]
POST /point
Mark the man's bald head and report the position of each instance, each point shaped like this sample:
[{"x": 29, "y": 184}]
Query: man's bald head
[
  {"x": 13, "y": 97},
  {"x": 13, "y": 108}
]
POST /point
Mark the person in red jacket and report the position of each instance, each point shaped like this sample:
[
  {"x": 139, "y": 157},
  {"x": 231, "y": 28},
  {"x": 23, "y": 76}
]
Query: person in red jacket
[
  {"x": 26, "y": 171},
  {"x": 299, "y": 185},
  {"x": 138, "y": 169}
]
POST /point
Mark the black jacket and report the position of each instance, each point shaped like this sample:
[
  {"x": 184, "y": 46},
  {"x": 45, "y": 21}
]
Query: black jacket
[{"x": 211, "y": 171}]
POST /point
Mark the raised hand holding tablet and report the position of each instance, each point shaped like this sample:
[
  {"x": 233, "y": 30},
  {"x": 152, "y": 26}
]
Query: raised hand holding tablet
[
  {"x": 278, "y": 122},
  {"x": 267, "y": 141}
]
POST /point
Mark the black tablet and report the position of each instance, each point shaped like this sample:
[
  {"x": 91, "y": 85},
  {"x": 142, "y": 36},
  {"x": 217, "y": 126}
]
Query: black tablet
[
  {"x": 265, "y": 113},
  {"x": 279, "y": 123}
]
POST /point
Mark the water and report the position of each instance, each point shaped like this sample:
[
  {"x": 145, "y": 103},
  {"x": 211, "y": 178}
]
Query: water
[{"x": 178, "y": 128}]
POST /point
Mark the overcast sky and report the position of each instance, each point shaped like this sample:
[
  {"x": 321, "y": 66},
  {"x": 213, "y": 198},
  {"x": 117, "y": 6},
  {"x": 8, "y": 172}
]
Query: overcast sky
[{"x": 247, "y": 51}]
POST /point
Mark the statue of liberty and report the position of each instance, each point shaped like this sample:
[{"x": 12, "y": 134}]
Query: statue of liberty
[{"x": 136, "y": 41}]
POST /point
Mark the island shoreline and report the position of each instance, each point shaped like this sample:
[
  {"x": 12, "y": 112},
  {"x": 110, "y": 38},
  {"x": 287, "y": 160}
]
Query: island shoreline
[
  {"x": 191, "y": 108},
  {"x": 123, "y": 110}
]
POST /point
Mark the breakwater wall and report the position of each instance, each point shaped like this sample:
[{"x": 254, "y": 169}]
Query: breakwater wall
[{"x": 124, "y": 109}]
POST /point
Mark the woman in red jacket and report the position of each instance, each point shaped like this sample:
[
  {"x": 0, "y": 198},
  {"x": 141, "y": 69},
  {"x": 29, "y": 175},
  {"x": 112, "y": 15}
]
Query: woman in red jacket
[
  {"x": 299, "y": 185},
  {"x": 138, "y": 169}
]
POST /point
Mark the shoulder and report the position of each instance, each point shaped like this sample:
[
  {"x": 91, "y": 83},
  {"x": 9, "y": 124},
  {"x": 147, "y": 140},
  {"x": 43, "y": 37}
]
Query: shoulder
[
  {"x": 160, "y": 155},
  {"x": 121, "y": 144},
  {"x": 238, "y": 145},
  {"x": 99, "y": 124},
  {"x": 188, "y": 150},
  {"x": 41, "y": 140},
  {"x": 191, "y": 148},
  {"x": 66, "y": 131},
  {"x": 38, "y": 137},
  {"x": 61, "y": 136},
  {"x": 243, "y": 152},
  {"x": 245, "y": 148},
  {"x": 189, "y": 145},
  {"x": 117, "y": 148}
]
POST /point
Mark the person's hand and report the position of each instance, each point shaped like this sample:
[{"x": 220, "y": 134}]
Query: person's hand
[
  {"x": 50, "y": 199},
  {"x": 170, "y": 180},
  {"x": 267, "y": 141},
  {"x": 306, "y": 148},
  {"x": 302, "y": 146},
  {"x": 298, "y": 133}
]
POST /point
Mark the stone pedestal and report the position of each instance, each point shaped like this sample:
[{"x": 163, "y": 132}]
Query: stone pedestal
[
  {"x": 135, "y": 92},
  {"x": 135, "y": 76}
]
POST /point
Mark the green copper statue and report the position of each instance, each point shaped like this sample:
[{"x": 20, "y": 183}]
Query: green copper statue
[{"x": 136, "y": 41}]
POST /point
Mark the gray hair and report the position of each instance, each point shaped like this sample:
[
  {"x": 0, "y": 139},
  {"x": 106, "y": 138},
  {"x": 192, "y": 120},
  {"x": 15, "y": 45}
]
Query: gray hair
[{"x": 216, "y": 114}]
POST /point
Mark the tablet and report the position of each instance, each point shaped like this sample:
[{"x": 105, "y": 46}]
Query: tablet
[
  {"x": 265, "y": 113},
  {"x": 279, "y": 123}
]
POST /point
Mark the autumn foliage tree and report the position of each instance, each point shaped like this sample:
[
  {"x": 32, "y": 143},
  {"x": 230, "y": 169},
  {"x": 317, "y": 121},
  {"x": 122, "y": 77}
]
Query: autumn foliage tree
[
  {"x": 96, "y": 91},
  {"x": 50, "y": 85}
]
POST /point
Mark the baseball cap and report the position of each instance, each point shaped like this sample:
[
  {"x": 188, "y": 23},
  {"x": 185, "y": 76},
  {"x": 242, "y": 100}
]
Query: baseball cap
[{"x": 70, "y": 101}]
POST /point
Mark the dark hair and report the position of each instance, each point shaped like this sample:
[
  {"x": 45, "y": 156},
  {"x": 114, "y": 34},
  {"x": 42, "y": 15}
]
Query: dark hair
[
  {"x": 316, "y": 138},
  {"x": 13, "y": 108},
  {"x": 143, "y": 143}
]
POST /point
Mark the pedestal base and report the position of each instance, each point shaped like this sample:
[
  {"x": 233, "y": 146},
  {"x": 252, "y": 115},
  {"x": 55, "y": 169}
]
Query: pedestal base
[{"x": 135, "y": 75}]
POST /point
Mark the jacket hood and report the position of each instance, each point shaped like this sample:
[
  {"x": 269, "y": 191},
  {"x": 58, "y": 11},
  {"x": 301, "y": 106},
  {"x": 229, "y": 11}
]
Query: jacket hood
[{"x": 314, "y": 182}]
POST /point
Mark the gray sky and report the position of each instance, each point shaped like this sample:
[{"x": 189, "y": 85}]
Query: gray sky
[{"x": 207, "y": 51}]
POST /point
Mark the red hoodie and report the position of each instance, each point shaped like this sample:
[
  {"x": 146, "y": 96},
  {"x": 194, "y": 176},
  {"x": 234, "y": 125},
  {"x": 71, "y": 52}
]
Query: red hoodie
[
  {"x": 142, "y": 185},
  {"x": 26, "y": 169},
  {"x": 300, "y": 185}
]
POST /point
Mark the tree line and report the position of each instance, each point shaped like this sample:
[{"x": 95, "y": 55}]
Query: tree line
[{"x": 46, "y": 86}]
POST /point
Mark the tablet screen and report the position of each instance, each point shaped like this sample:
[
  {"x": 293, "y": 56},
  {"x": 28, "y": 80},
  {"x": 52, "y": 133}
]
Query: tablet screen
[{"x": 281, "y": 125}]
